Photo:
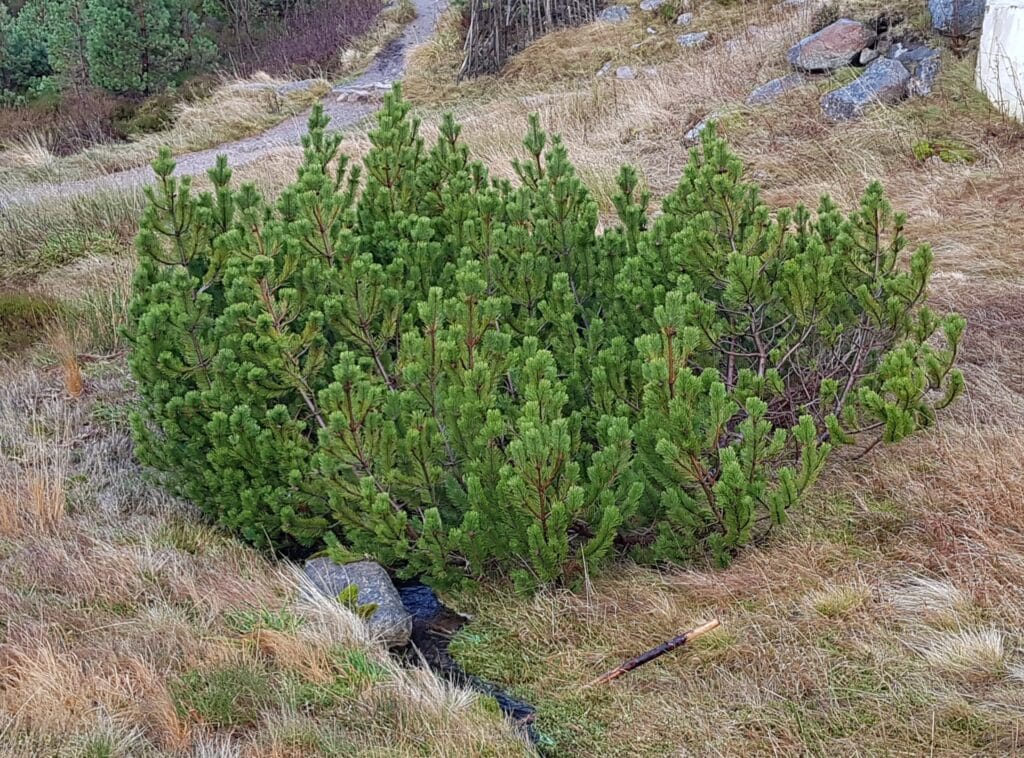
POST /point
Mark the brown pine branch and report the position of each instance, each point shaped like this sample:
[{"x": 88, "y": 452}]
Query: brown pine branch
[{"x": 656, "y": 652}]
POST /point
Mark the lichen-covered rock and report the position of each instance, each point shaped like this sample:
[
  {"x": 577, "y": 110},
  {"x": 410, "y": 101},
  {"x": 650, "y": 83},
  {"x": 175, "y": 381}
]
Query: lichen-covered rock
[
  {"x": 390, "y": 622},
  {"x": 957, "y": 18},
  {"x": 773, "y": 89},
  {"x": 684, "y": 19},
  {"x": 614, "y": 14},
  {"x": 651, "y": 5},
  {"x": 833, "y": 47},
  {"x": 693, "y": 39},
  {"x": 884, "y": 81},
  {"x": 923, "y": 63}
]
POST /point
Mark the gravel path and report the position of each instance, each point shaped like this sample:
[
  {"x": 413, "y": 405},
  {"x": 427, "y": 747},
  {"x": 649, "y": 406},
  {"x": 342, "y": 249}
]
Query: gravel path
[{"x": 387, "y": 67}]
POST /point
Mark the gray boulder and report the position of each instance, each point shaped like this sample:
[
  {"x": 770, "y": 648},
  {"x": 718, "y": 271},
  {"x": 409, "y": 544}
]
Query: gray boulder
[
  {"x": 957, "y": 18},
  {"x": 922, "y": 62},
  {"x": 614, "y": 14},
  {"x": 833, "y": 47},
  {"x": 773, "y": 89},
  {"x": 651, "y": 5},
  {"x": 391, "y": 623},
  {"x": 884, "y": 81},
  {"x": 625, "y": 72},
  {"x": 693, "y": 39},
  {"x": 684, "y": 19}
]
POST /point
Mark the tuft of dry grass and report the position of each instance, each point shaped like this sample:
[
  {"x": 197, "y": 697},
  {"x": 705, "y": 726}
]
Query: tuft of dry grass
[
  {"x": 34, "y": 482},
  {"x": 967, "y": 651},
  {"x": 30, "y": 151}
]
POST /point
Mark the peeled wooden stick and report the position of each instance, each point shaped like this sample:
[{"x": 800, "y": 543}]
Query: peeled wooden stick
[{"x": 655, "y": 652}]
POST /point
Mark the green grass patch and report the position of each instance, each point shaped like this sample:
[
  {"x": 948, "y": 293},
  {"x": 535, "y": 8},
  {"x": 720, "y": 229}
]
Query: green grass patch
[
  {"x": 947, "y": 150},
  {"x": 233, "y": 696},
  {"x": 246, "y": 621}
]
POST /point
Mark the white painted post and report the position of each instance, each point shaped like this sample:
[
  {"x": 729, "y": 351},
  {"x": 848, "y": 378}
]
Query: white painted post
[{"x": 1000, "y": 72}]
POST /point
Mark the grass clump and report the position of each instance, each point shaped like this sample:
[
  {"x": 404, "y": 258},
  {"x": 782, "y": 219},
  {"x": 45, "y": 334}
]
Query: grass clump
[
  {"x": 948, "y": 151},
  {"x": 233, "y": 696}
]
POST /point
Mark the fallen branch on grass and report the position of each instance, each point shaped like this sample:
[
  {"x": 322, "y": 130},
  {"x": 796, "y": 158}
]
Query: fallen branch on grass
[{"x": 655, "y": 652}]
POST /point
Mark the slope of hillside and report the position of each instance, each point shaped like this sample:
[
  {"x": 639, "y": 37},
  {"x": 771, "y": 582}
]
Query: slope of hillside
[{"x": 883, "y": 619}]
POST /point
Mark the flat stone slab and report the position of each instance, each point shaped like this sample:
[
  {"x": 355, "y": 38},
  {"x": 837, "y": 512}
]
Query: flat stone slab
[
  {"x": 884, "y": 81},
  {"x": 775, "y": 88},
  {"x": 391, "y": 622},
  {"x": 833, "y": 47}
]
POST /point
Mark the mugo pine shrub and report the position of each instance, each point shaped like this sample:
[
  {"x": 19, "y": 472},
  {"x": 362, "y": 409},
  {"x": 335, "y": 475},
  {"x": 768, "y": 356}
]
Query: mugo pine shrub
[{"x": 456, "y": 374}]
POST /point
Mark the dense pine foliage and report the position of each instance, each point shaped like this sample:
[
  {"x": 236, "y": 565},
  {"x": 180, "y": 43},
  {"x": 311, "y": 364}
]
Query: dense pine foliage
[{"x": 458, "y": 375}]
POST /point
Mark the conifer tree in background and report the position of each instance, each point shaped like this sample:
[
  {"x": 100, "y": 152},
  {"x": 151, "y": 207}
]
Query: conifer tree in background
[
  {"x": 458, "y": 375},
  {"x": 23, "y": 61},
  {"x": 67, "y": 25},
  {"x": 142, "y": 45}
]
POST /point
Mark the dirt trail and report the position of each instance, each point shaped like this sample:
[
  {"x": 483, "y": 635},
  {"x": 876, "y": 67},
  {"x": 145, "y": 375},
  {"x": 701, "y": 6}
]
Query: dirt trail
[{"x": 386, "y": 68}]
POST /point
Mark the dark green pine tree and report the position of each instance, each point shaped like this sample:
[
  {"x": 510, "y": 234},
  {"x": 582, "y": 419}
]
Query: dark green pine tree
[
  {"x": 459, "y": 375},
  {"x": 67, "y": 29},
  {"x": 140, "y": 46}
]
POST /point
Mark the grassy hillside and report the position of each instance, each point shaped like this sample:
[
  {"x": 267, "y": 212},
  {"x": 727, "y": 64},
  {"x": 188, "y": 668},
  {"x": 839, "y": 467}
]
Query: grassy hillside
[{"x": 882, "y": 620}]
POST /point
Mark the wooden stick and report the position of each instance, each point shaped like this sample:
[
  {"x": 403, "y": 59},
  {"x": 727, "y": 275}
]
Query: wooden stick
[{"x": 656, "y": 652}]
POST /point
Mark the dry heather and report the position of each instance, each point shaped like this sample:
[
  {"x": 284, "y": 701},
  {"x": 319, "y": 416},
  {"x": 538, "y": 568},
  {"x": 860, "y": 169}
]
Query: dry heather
[
  {"x": 129, "y": 628},
  {"x": 884, "y": 619}
]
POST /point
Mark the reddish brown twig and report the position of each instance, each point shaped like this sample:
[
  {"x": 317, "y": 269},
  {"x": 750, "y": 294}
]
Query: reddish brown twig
[{"x": 655, "y": 652}]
